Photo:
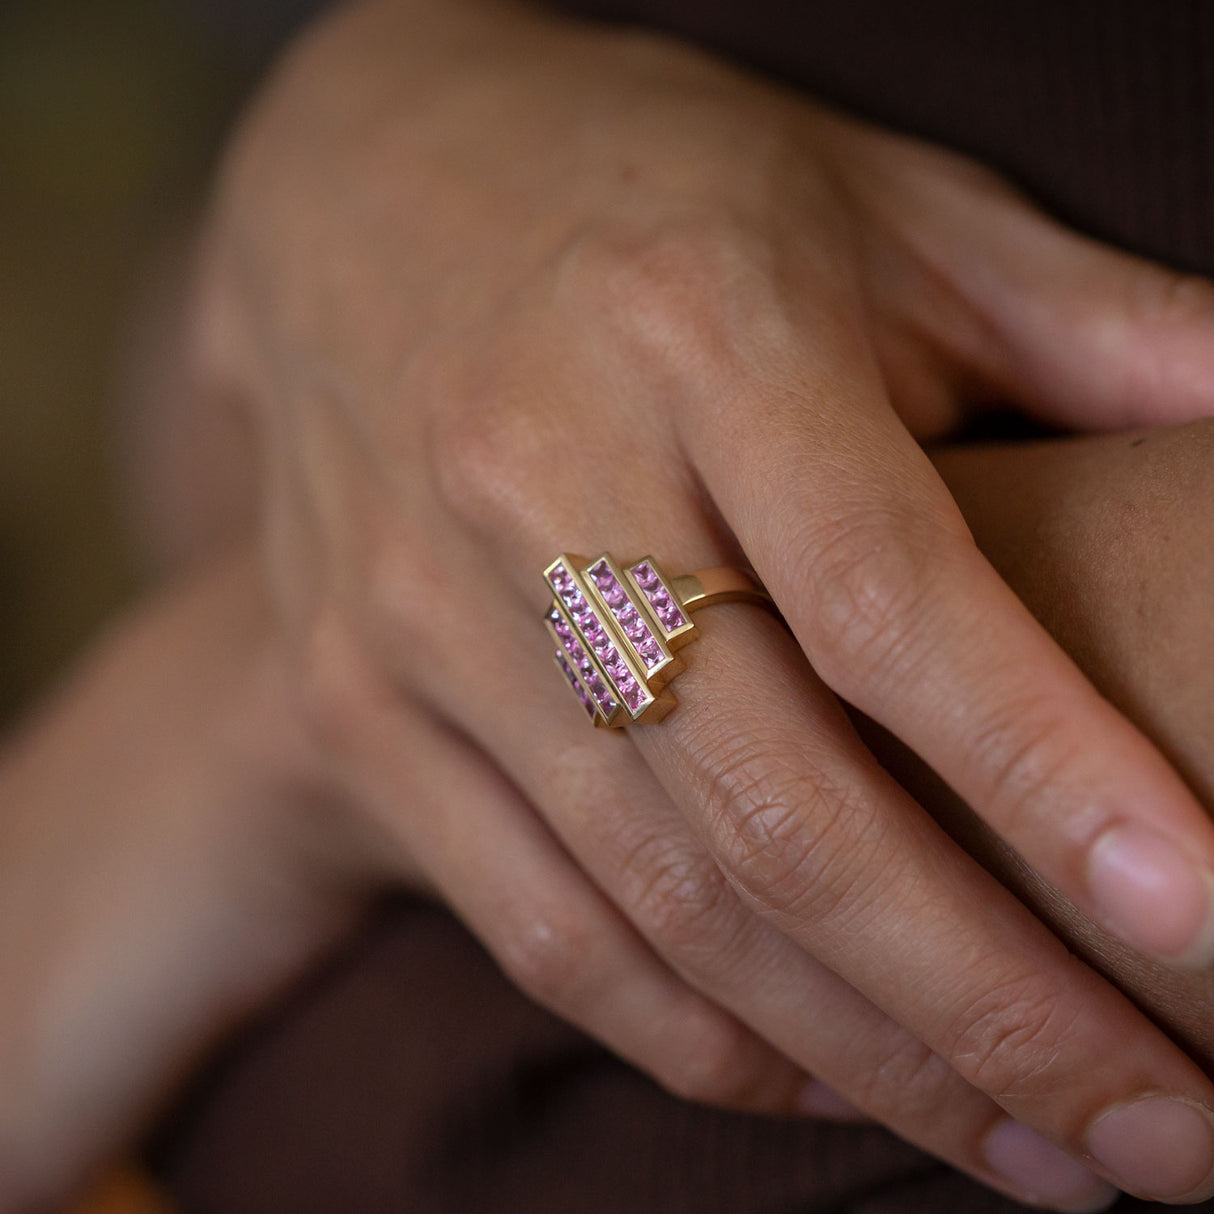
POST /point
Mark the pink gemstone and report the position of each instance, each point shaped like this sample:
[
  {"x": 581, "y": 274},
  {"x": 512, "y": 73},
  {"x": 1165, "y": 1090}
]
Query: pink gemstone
[
  {"x": 673, "y": 619},
  {"x": 578, "y": 689},
  {"x": 645, "y": 576},
  {"x": 650, "y": 652},
  {"x": 615, "y": 596},
  {"x": 595, "y": 684}
]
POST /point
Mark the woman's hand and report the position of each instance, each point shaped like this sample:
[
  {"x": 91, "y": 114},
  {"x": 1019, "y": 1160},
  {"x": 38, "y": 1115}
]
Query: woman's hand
[{"x": 494, "y": 287}]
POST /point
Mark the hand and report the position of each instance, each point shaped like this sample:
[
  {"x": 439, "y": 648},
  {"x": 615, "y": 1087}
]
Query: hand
[{"x": 495, "y": 286}]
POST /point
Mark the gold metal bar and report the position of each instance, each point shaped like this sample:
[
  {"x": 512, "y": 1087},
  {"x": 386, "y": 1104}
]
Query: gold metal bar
[{"x": 721, "y": 585}]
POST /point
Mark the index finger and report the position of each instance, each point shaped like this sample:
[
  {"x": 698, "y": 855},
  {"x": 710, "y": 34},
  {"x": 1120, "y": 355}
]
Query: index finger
[{"x": 862, "y": 547}]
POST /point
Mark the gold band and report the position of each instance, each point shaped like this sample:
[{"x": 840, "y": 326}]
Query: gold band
[
  {"x": 719, "y": 585},
  {"x": 617, "y": 628}
]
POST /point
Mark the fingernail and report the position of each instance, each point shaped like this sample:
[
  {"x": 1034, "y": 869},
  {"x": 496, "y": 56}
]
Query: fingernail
[
  {"x": 817, "y": 1099},
  {"x": 1158, "y": 1147},
  {"x": 1153, "y": 896},
  {"x": 1042, "y": 1173}
]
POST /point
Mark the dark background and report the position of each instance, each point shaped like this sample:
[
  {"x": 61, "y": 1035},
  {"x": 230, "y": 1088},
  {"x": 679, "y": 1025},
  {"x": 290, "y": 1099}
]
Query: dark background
[{"x": 111, "y": 114}]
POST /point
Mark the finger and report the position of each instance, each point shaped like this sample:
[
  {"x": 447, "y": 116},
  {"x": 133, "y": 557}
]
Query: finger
[
  {"x": 491, "y": 859},
  {"x": 1083, "y": 334},
  {"x": 825, "y": 846},
  {"x": 1095, "y": 338},
  {"x": 602, "y": 801},
  {"x": 871, "y": 563}
]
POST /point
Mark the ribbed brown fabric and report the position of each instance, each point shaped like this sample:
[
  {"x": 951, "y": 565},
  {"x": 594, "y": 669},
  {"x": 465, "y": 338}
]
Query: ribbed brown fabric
[
  {"x": 411, "y": 1078},
  {"x": 1103, "y": 109}
]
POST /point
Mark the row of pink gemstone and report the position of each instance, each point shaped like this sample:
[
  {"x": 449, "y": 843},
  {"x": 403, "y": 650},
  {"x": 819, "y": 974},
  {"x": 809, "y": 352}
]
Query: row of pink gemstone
[
  {"x": 578, "y": 689},
  {"x": 628, "y": 617},
  {"x": 590, "y": 676},
  {"x": 664, "y": 606},
  {"x": 597, "y": 637}
]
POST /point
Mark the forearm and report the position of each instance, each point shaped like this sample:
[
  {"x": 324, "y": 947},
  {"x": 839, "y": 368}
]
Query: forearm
[
  {"x": 150, "y": 874},
  {"x": 1110, "y": 541}
]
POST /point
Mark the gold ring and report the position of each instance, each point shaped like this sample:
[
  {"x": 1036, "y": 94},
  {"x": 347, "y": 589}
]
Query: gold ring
[{"x": 617, "y": 629}]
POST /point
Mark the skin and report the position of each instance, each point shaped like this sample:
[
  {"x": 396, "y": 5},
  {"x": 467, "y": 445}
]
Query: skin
[
  {"x": 1109, "y": 543},
  {"x": 422, "y": 327},
  {"x": 454, "y": 247},
  {"x": 237, "y": 866}
]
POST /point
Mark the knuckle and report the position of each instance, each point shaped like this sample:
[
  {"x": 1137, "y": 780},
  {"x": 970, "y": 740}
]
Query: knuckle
[
  {"x": 675, "y": 291},
  {"x": 770, "y": 851},
  {"x": 336, "y": 688},
  {"x": 484, "y": 450},
  {"x": 870, "y": 593},
  {"x": 682, "y": 902},
  {"x": 1007, "y": 1039},
  {"x": 1023, "y": 755},
  {"x": 1161, "y": 301},
  {"x": 549, "y": 957},
  {"x": 1164, "y": 298},
  {"x": 904, "y": 1080},
  {"x": 796, "y": 840},
  {"x": 403, "y": 578},
  {"x": 478, "y": 455},
  {"x": 719, "y": 1067}
]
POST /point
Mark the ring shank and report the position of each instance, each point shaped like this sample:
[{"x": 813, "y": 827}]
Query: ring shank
[{"x": 722, "y": 584}]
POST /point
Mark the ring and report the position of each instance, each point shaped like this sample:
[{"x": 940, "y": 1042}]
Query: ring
[{"x": 617, "y": 629}]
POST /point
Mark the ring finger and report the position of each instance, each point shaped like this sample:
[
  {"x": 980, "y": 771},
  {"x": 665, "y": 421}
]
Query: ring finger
[{"x": 600, "y": 798}]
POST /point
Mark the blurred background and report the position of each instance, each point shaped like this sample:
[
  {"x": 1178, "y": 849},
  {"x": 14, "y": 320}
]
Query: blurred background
[{"x": 112, "y": 113}]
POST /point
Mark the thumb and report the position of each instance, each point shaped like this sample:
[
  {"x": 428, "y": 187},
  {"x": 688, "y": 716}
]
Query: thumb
[{"x": 1085, "y": 335}]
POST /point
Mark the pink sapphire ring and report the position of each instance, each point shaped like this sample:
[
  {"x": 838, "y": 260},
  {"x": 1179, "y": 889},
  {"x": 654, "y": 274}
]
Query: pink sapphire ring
[{"x": 617, "y": 629}]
